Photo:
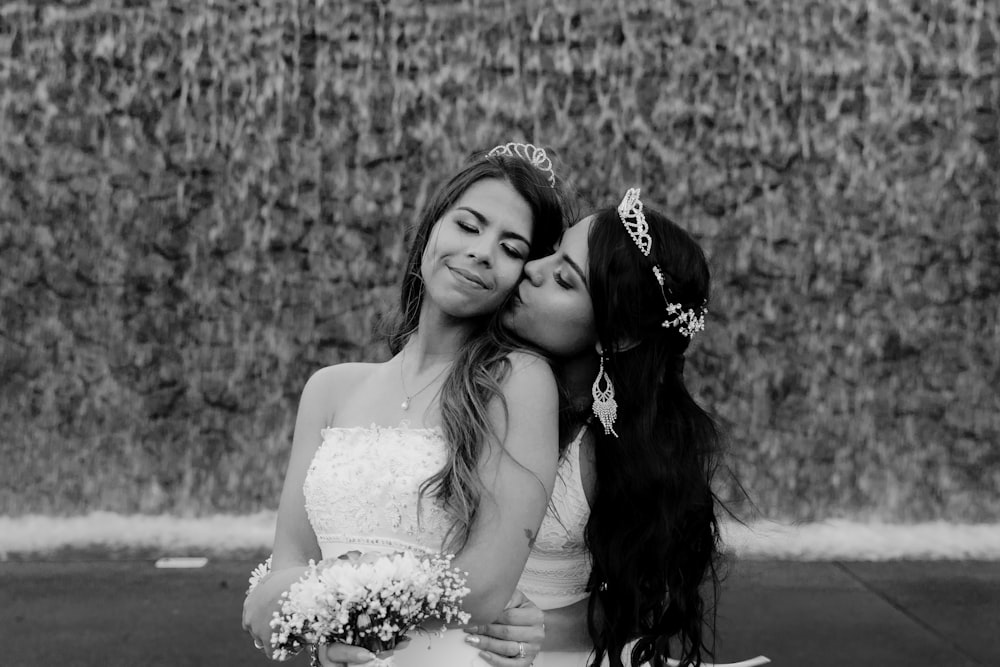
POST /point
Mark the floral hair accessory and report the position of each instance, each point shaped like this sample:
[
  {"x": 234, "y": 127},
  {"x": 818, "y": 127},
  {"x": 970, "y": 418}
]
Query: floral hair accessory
[
  {"x": 529, "y": 152},
  {"x": 688, "y": 321}
]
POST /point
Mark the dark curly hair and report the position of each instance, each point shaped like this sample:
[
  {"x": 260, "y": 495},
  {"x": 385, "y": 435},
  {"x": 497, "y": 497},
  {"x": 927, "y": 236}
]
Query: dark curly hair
[{"x": 653, "y": 532}]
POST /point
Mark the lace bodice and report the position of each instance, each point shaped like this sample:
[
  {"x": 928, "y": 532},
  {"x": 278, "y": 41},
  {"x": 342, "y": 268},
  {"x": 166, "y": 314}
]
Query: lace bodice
[
  {"x": 558, "y": 567},
  {"x": 362, "y": 488},
  {"x": 361, "y": 492}
]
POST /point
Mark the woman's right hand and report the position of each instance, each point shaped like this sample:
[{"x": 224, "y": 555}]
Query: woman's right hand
[{"x": 263, "y": 600}]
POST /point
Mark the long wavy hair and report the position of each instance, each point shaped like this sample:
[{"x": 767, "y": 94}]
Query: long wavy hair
[
  {"x": 481, "y": 364},
  {"x": 653, "y": 532}
]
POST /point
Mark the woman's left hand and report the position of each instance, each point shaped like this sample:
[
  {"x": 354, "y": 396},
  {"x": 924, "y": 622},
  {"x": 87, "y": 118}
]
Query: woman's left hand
[{"x": 515, "y": 638}]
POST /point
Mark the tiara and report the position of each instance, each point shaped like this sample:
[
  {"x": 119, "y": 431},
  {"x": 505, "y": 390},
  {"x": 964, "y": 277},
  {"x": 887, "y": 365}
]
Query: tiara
[
  {"x": 688, "y": 321},
  {"x": 630, "y": 211},
  {"x": 530, "y": 153}
]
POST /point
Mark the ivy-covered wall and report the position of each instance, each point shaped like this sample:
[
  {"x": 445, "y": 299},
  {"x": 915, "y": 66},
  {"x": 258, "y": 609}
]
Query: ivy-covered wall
[{"x": 203, "y": 202}]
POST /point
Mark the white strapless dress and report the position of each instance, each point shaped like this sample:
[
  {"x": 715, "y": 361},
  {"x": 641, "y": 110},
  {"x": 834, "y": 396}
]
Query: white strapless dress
[{"x": 362, "y": 493}]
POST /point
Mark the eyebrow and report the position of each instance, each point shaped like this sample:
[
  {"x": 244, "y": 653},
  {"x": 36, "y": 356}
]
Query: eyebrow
[
  {"x": 576, "y": 267},
  {"x": 483, "y": 221}
]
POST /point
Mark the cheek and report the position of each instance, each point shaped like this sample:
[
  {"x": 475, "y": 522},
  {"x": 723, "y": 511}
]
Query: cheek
[
  {"x": 508, "y": 275},
  {"x": 425, "y": 267},
  {"x": 434, "y": 238},
  {"x": 576, "y": 327},
  {"x": 560, "y": 323},
  {"x": 430, "y": 251}
]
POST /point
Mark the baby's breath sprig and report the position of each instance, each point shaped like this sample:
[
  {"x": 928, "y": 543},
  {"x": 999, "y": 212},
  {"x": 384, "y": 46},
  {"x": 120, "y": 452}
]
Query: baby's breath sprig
[{"x": 371, "y": 603}]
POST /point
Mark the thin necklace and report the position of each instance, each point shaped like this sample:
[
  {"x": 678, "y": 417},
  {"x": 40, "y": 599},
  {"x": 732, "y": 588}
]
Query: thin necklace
[{"x": 406, "y": 402}]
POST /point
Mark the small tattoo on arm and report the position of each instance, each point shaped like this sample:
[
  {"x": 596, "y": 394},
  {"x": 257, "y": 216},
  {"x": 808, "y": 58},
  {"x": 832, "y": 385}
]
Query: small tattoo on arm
[{"x": 530, "y": 536}]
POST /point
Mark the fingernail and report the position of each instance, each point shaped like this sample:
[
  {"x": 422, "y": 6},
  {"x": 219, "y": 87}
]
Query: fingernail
[
  {"x": 472, "y": 639},
  {"x": 472, "y": 629},
  {"x": 365, "y": 655}
]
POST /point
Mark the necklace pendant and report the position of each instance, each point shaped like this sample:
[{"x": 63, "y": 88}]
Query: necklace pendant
[{"x": 405, "y": 404}]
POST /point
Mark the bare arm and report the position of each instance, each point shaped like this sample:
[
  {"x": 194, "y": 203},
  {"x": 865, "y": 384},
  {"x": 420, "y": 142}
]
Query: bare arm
[
  {"x": 294, "y": 540},
  {"x": 518, "y": 480},
  {"x": 566, "y": 628}
]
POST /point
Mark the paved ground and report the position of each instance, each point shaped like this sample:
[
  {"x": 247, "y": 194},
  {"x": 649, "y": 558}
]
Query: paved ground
[{"x": 108, "y": 613}]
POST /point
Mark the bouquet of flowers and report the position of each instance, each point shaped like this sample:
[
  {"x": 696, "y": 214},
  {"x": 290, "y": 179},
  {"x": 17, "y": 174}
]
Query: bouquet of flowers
[{"x": 369, "y": 601}]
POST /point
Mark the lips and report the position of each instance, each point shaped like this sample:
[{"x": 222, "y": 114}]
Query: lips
[{"x": 469, "y": 276}]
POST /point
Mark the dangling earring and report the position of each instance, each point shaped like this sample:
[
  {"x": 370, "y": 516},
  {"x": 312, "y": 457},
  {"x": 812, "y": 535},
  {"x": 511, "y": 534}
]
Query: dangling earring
[{"x": 605, "y": 407}]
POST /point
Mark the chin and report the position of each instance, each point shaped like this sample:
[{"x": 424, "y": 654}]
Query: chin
[
  {"x": 511, "y": 322},
  {"x": 466, "y": 311},
  {"x": 460, "y": 306}
]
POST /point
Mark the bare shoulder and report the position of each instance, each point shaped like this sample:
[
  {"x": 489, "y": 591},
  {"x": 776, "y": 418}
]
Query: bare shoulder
[
  {"x": 530, "y": 388},
  {"x": 347, "y": 372},
  {"x": 528, "y": 419},
  {"x": 329, "y": 385},
  {"x": 529, "y": 367}
]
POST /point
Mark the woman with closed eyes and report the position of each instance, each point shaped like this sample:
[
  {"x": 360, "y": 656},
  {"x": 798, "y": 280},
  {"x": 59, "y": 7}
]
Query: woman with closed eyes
[{"x": 450, "y": 445}]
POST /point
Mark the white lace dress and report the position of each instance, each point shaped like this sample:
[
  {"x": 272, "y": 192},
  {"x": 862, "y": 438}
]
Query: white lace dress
[
  {"x": 361, "y": 493},
  {"x": 558, "y": 568}
]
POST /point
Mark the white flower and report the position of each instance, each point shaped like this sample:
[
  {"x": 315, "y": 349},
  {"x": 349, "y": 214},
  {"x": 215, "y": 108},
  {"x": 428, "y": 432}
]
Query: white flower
[
  {"x": 385, "y": 595},
  {"x": 259, "y": 573}
]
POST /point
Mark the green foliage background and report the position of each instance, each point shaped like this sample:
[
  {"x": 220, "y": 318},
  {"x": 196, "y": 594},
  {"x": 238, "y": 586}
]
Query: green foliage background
[{"x": 203, "y": 202}]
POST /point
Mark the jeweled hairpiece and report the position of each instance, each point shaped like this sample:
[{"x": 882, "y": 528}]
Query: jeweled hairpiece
[
  {"x": 630, "y": 211},
  {"x": 529, "y": 152},
  {"x": 688, "y": 321}
]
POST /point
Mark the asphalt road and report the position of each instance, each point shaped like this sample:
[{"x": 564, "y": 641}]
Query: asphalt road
[{"x": 108, "y": 613}]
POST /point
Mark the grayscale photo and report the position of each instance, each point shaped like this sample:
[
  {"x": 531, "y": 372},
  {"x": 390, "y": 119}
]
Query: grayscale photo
[{"x": 499, "y": 333}]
